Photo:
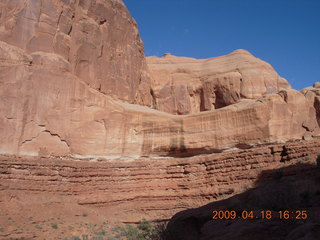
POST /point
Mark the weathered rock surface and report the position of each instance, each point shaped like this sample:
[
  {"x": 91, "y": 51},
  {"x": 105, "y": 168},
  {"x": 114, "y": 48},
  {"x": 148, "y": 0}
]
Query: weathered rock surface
[
  {"x": 184, "y": 85},
  {"x": 313, "y": 96},
  {"x": 98, "y": 39},
  {"x": 62, "y": 189},
  {"x": 73, "y": 78},
  {"x": 61, "y": 63},
  {"x": 46, "y": 110},
  {"x": 270, "y": 210},
  {"x": 66, "y": 66}
]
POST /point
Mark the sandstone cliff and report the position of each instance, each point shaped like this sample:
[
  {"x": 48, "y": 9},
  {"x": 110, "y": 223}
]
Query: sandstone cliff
[
  {"x": 97, "y": 41},
  {"x": 184, "y": 85},
  {"x": 70, "y": 69},
  {"x": 313, "y": 96},
  {"x": 74, "y": 84}
]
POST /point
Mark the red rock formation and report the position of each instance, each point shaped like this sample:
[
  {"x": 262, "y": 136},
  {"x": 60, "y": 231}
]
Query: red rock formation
[
  {"x": 313, "y": 96},
  {"x": 184, "y": 85},
  {"x": 69, "y": 71},
  {"x": 284, "y": 204},
  {"x": 61, "y": 115},
  {"x": 50, "y": 108},
  {"x": 98, "y": 41},
  {"x": 61, "y": 64},
  {"x": 128, "y": 191}
]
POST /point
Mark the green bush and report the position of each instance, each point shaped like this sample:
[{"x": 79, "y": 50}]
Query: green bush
[
  {"x": 38, "y": 227},
  {"x": 54, "y": 225},
  {"x": 75, "y": 238},
  {"x": 101, "y": 233},
  {"x": 142, "y": 231}
]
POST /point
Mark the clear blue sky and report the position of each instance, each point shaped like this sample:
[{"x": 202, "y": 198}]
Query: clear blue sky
[{"x": 285, "y": 33}]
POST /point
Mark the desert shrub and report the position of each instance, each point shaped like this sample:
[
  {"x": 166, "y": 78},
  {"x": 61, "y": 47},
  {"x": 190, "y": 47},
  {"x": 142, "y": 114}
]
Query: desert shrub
[
  {"x": 54, "y": 225},
  {"x": 101, "y": 233},
  {"x": 75, "y": 238},
  {"x": 159, "y": 232},
  {"x": 142, "y": 231},
  {"x": 307, "y": 158},
  {"x": 97, "y": 238},
  {"x": 85, "y": 237},
  {"x": 119, "y": 230},
  {"x": 38, "y": 227}
]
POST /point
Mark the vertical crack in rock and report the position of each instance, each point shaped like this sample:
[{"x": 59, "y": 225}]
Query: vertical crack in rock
[
  {"x": 59, "y": 18},
  {"x": 70, "y": 30},
  {"x": 316, "y": 105},
  {"x": 154, "y": 99},
  {"x": 24, "y": 119},
  {"x": 284, "y": 154}
]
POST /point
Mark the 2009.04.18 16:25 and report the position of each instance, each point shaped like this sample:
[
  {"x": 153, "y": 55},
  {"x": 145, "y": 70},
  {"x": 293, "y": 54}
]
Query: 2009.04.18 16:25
[{"x": 264, "y": 214}]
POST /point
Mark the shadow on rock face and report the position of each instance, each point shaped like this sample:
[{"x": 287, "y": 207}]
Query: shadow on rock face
[{"x": 283, "y": 205}]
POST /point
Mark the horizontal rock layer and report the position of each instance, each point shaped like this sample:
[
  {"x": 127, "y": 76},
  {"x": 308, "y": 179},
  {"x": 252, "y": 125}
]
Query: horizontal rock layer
[{"x": 128, "y": 191}]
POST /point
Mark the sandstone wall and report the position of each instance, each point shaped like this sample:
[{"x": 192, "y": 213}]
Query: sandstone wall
[
  {"x": 128, "y": 191},
  {"x": 184, "y": 85},
  {"x": 98, "y": 39},
  {"x": 46, "y": 110},
  {"x": 48, "y": 107},
  {"x": 313, "y": 96}
]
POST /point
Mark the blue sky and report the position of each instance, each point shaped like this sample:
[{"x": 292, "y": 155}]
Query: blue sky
[{"x": 285, "y": 33}]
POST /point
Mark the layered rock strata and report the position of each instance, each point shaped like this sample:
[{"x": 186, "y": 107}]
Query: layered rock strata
[
  {"x": 128, "y": 191},
  {"x": 73, "y": 79},
  {"x": 258, "y": 212},
  {"x": 70, "y": 69}
]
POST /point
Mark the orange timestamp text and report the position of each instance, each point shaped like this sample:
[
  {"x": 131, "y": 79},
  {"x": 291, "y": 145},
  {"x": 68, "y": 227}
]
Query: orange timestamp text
[{"x": 264, "y": 214}]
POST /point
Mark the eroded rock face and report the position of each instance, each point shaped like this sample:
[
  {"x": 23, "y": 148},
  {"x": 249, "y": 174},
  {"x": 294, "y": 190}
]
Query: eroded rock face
[
  {"x": 184, "y": 85},
  {"x": 285, "y": 183},
  {"x": 99, "y": 39},
  {"x": 62, "y": 62},
  {"x": 48, "y": 107},
  {"x": 69, "y": 71},
  {"x": 47, "y": 110},
  {"x": 313, "y": 96},
  {"x": 62, "y": 189}
]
